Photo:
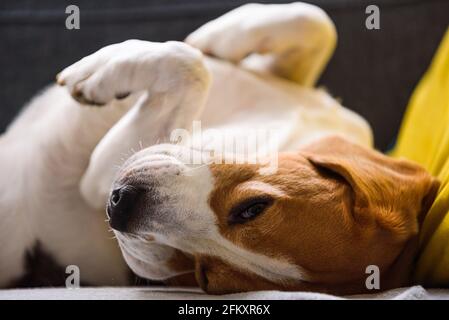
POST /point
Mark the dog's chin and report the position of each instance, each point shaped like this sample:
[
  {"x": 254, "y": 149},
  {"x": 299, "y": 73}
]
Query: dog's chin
[{"x": 146, "y": 270}]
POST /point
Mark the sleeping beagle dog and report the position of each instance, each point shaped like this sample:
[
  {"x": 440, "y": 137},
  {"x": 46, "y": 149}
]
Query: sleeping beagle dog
[
  {"x": 329, "y": 207},
  {"x": 330, "y": 210}
]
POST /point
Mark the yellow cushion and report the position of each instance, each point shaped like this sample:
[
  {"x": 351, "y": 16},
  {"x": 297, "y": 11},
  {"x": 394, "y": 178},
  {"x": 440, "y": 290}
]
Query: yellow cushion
[{"x": 424, "y": 138}]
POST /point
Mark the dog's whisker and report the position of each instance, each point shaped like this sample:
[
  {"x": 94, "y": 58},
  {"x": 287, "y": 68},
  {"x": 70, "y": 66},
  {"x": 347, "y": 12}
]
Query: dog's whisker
[{"x": 141, "y": 145}]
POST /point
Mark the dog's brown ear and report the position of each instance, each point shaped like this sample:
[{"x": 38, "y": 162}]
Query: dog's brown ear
[{"x": 388, "y": 192}]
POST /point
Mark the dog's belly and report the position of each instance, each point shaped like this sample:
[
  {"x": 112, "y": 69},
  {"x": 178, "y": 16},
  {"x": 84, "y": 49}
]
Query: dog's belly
[
  {"x": 43, "y": 156},
  {"x": 240, "y": 100},
  {"x": 41, "y": 207}
]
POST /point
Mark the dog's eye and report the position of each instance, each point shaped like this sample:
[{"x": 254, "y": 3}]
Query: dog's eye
[{"x": 249, "y": 209}]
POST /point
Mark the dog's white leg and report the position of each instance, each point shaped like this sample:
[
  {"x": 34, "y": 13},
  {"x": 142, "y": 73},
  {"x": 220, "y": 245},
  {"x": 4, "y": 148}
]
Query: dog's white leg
[
  {"x": 175, "y": 83},
  {"x": 294, "y": 41}
]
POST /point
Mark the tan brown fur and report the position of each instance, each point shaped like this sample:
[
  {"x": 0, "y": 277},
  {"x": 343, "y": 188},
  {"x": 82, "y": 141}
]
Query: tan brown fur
[{"x": 343, "y": 207}]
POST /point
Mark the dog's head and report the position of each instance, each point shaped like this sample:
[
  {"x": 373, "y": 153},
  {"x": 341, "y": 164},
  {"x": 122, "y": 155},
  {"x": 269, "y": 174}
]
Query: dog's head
[{"x": 329, "y": 211}]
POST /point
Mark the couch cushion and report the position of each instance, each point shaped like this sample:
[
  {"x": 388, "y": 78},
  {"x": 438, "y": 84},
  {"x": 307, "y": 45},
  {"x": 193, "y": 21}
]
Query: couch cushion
[{"x": 160, "y": 293}]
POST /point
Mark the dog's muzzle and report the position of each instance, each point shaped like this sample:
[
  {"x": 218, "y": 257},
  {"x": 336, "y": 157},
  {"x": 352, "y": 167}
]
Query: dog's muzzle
[{"x": 144, "y": 191}]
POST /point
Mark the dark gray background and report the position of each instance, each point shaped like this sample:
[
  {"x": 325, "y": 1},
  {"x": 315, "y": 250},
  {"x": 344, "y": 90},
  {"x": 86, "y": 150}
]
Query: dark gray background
[{"x": 373, "y": 72}]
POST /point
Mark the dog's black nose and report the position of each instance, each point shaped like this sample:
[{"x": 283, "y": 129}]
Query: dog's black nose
[{"x": 121, "y": 203}]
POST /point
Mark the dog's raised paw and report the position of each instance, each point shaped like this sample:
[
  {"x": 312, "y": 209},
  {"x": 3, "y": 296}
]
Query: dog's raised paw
[
  {"x": 116, "y": 71},
  {"x": 77, "y": 79},
  {"x": 227, "y": 37},
  {"x": 104, "y": 75}
]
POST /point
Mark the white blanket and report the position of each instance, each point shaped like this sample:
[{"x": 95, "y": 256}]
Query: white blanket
[{"x": 163, "y": 293}]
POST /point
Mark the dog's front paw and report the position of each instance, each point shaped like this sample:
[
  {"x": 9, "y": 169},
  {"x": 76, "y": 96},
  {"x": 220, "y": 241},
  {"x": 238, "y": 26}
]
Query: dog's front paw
[
  {"x": 115, "y": 71},
  {"x": 102, "y": 76}
]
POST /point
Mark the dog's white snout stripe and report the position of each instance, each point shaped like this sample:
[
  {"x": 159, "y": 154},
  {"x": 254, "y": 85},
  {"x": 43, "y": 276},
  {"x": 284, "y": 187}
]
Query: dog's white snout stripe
[{"x": 262, "y": 187}]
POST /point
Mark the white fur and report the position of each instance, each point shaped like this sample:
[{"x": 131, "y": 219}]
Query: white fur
[
  {"x": 59, "y": 159},
  {"x": 43, "y": 155},
  {"x": 262, "y": 187}
]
